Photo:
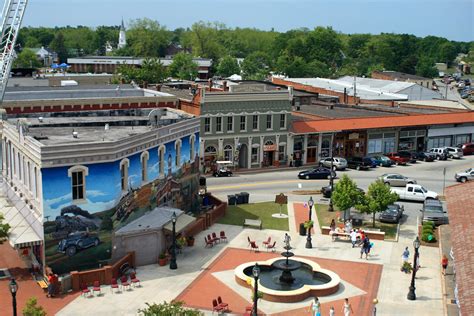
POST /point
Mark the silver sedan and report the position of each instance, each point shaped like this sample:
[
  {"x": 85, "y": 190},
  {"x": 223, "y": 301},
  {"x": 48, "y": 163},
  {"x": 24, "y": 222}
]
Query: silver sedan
[{"x": 396, "y": 180}]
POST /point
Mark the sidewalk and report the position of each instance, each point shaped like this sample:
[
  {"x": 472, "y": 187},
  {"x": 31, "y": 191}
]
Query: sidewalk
[{"x": 448, "y": 281}]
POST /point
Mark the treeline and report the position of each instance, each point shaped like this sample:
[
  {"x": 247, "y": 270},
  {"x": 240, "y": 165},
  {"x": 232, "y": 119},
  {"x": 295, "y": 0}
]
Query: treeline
[{"x": 320, "y": 52}]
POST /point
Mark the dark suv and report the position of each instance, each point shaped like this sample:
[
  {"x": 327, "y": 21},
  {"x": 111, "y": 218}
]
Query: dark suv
[
  {"x": 359, "y": 163},
  {"x": 433, "y": 211},
  {"x": 77, "y": 241}
]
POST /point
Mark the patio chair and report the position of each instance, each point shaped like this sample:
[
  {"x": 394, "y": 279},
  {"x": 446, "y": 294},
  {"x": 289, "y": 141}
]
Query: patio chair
[
  {"x": 209, "y": 243},
  {"x": 96, "y": 287},
  {"x": 224, "y": 306},
  {"x": 114, "y": 285},
  {"x": 124, "y": 282},
  {"x": 250, "y": 241},
  {"x": 272, "y": 247},
  {"x": 216, "y": 307},
  {"x": 85, "y": 290},
  {"x": 223, "y": 236},
  {"x": 215, "y": 238},
  {"x": 267, "y": 242},
  {"x": 253, "y": 246},
  {"x": 134, "y": 280},
  {"x": 209, "y": 238}
]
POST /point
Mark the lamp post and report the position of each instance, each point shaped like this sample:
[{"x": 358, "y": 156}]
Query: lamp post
[
  {"x": 375, "y": 301},
  {"x": 411, "y": 294},
  {"x": 308, "y": 239},
  {"x": 331, "y": 184},
  {"x": 13, "y": 289},
  {"x": 256, "y": 274},
  {"x": 173, "y": 265}
]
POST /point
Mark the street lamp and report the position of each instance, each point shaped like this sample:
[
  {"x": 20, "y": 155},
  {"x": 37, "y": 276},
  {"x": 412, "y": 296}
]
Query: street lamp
[
  {"x": 375, "y": 301},
  {"x": 308, "y": 239},
  {"x": 13, "y": 289},
  {"x": 331, "y": 183},
  {"x": 256, "y": 274},
  {"x": 411, "y": 294},
  {"x": 173, "y": 265}
]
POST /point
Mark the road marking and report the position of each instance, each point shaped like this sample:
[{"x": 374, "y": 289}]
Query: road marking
[{"x": 254, "y": 184}]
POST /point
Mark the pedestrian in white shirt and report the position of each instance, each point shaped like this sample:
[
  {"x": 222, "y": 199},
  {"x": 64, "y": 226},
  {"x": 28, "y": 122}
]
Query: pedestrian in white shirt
[{"x": 353, "y": 237}]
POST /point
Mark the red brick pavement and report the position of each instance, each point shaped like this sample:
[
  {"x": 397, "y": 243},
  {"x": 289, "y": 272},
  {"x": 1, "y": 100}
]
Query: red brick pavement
[
  {"x": 27, "y": 287},
  {"x": 205, "y": 288}
]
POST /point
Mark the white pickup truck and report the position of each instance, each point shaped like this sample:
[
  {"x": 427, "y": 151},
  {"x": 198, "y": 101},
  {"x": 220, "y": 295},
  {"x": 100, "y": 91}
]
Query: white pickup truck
[{"x": 414, "y": 192}]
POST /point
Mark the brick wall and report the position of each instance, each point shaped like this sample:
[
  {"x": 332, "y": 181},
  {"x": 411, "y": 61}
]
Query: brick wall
[{"x": 209, "y": 218}]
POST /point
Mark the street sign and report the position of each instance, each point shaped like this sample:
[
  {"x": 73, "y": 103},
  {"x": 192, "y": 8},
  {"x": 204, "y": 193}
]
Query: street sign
[{"x": 281, "y": 199}]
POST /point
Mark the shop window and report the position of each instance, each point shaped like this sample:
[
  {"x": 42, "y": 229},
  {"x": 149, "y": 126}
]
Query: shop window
[
  {"x": 255, "y": 122},
  {"x": 124, "y": 165},
  {"x": 228, "y": 153},
  {"x": 207, "y": 125},
  {"x": 269, "y": 121},
  {"x": 78, "y": 176},
  {"x": 230, "y": 123},
  {"x": 219, "y": 124},
  {"x": 243, "y": 123},
  {"x": 254, "y": 157},
  {"x": 374, "y": 146}
]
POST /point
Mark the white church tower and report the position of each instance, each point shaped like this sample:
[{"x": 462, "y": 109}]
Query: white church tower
[{"x": 122, "y": 37}]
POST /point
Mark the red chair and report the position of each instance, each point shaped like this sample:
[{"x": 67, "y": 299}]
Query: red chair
[
  {"x": 134, "y": 280},
  {"x": 124, "y": 281},
  {"x": 114, "y": 285},
  {"x": 253, "y": 246},
  {"x": 215, "y": 238},
  {"x": 85, "y": 290},
  {"x": 209, "y": 243},
  {"x": 96, "y": 287},
  {"x": 216, "y": 307},
  {"x": 224, "y": 306},
  {"x": 223, "y": 236},
  {"x": 272, "y": 247},
  {"x": 250, "y": 241},
  {"x": 267, "y": 242},
  {"x": 210, "y": 239}
]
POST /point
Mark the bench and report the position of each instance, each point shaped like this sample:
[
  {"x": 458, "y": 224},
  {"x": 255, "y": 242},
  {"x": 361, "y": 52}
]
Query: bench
[
  {"x": 253, "y": 223},
  {"x": 43, "y": 283},
  {"x": 340, "y": 236}
]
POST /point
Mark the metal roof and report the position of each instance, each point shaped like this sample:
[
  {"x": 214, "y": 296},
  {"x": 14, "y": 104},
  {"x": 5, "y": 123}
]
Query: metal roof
[{"x": 155, "y": 219}]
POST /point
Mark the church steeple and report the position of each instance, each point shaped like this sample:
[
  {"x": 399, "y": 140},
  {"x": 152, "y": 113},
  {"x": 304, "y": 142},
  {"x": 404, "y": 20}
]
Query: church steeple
[{"x": 122, "y": 36}]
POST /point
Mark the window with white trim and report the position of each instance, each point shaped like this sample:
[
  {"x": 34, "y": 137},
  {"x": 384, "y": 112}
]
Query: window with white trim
[
  {"x": 228, "y": 153},
  {"x": 243, "y": 123},
  {"x": 230, "y": 123},
  {"x": 255, "y": 122},
  {"x": 254, "y": 156},
  {"x": 207, "y": 125},
  {"x": 219, "y": 124},
  {"x": 269, "y": 121},
  {"x": 281, "y": 152},
  {"x": 282, "y": 121},
  {"x": 78, "y": 176}
]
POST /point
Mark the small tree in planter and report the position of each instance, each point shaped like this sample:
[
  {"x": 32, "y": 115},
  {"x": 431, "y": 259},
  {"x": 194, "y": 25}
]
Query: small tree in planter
[
  {"x": 308, "y": 224},
  {"x": 346, "y": 195},
  {"x": 377, "y": 199},
  {"x": 162, "y": 260},
  {"x": 406, "y": 267}
]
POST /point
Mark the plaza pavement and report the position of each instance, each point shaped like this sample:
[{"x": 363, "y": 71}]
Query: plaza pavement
[{"x": 198, "y": 264}]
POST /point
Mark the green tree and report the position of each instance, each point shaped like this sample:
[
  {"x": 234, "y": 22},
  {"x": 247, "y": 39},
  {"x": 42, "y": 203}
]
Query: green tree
[
  {"x": 172, "y": 308},
  {"x": 228, "y": 66},
  {"x": 183, "y": 67},
  {"x": 4, "y": 229},
  {"x": 346, "y": 195},
  {"x": 426, "y": 68},
  {"x": 256, "y": 66},
  {"x": 204, "y": 39},
  {"x": 26, "y": 59},
  {"x": 447, "y": 53},
  {"x": 32, "y": 309},
  {"x": 58, "y": 45},
  {"x": 147, "y": 38},
  {"x": 377, "y": 199},
  {"x": 151, "y": 71}
]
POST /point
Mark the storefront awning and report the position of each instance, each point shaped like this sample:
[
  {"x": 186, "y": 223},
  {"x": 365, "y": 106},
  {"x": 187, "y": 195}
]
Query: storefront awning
[
  {"x": 21, "y": 234},
  {"x": 181, "y": 223}
]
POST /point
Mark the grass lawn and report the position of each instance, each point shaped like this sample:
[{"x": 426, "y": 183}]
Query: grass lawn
[
  {"x": 236, "y": 214},
  {"x": 325, "y": 217}
]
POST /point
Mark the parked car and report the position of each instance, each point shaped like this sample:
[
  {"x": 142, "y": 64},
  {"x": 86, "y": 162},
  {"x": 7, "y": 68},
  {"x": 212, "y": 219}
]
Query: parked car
[
  {"x": 338, "y": 163},
  {"x": 383, "y": 161},
  {"x": 373, "y": 161},
  {"x": 425, "y": 156},
  {"x": 410, "y": 155},
  {"x": 465, "y": 175},
  {"x": 414, "y": 192},
  {"x": 433, "y": 211},
  {"x": 392, "y": 214},
  {"x": 359, "y": 163},
  {"x": 454, "y": 152},
  {"x": 396, "y": 180},
  {"x": 395, "y": 157},
  {"x": 440, "y": 153},
  {"x": 77, "y": 241},
  {"x": 316, "y": 173},
  {"x": 467, "y": 149},
  {"x": 327, "y": 191}
]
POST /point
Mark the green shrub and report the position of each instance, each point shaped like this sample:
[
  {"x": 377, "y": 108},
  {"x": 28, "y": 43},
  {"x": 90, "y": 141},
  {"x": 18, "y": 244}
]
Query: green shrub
[
  {"x": 428, "y": 230},
  {"x": 429, "y": 223},
  {"x": 426, "y": 237}
]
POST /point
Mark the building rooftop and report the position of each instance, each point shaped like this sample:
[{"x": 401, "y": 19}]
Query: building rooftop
[
  {"x": 400, "y": 75},
  {"x": 342, "y": 111},
  {"x": 155, "y": 219}
]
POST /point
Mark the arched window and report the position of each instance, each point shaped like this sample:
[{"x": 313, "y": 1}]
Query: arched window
[
  {"x": 192, "y": 143},
  {"x": 228, "y": 153},
  {"x": 210, "y": 151},
  {"x": 124, "y": 165},
  {"x": 78, "y": 176},
  {"x": 269, "y": 142},
  {"x": 144, "y": 160},
  {"x": 177, "y": 150},
  {"x": 161, "y": 160}
]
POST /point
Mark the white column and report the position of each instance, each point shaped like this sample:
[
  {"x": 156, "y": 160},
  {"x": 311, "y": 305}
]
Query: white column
[
  {"x": 220, "y": 149},
  {"x": 249, "y": 153},
  {"x": 277, "y": 151},
  {"x": 305, "y": 148},
  {"x": 289, "y": 147}
]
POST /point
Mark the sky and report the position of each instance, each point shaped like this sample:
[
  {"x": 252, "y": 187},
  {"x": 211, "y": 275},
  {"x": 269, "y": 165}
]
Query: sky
[{"x": 446, "y": 18}]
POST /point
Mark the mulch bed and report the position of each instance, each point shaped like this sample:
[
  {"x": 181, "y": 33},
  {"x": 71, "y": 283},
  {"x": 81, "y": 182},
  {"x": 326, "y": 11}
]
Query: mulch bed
[{"x": 435, "y": 234}]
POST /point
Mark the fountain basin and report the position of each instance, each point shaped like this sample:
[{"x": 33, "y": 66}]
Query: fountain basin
[{"x": 310, "y": 280}]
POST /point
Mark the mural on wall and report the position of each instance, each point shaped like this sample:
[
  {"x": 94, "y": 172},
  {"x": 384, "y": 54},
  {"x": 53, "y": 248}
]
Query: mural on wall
[{"x": 78, "y": 232}]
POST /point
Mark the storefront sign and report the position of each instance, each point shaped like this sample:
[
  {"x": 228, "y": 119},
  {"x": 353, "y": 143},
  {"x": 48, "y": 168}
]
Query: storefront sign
[
  {"x": 353, "y": 135},
  {"x": 269, "y": 147}
]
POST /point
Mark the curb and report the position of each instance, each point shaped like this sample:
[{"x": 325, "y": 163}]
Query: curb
[{"x": 443, "y": 277}]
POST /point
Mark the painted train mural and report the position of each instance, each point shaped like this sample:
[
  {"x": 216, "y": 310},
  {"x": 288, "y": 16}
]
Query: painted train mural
[{"x": 84, "y": 205}]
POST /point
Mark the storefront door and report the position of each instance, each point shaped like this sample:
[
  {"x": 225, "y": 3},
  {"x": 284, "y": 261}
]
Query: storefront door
[{"x": 311, "y": 158}]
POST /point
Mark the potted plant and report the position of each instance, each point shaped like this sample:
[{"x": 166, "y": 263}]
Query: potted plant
[
  {"x": 308, "y": 224},
  {"x": 190, "y": 241},
  {"x": 162, "y": 260},
  {"x": 406, "y": 267}
]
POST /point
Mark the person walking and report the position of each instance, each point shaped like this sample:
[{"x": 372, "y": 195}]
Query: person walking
[
  {"x": 332, "y": 312},
  {"x": 332, "y": 226},
  {"x": 353, "y": 237},
  {"x": 365, "y": 248},
  {"x": 444, "y": 264},
  {"x": 315, "y": 307},
  {"x": 347, "y": 308},
  {"x": 405, "y": 255}
]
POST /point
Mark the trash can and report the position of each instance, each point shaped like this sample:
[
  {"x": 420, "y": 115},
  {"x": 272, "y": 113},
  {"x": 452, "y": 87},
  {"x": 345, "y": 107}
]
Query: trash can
[
  {"x": 231, "y": 199},
  {"x": 240, "y": 198},
  {"x": 302, "y": 230},
  {"x": 245, "y": 196},
  {"x": 357, "y": 221}
]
